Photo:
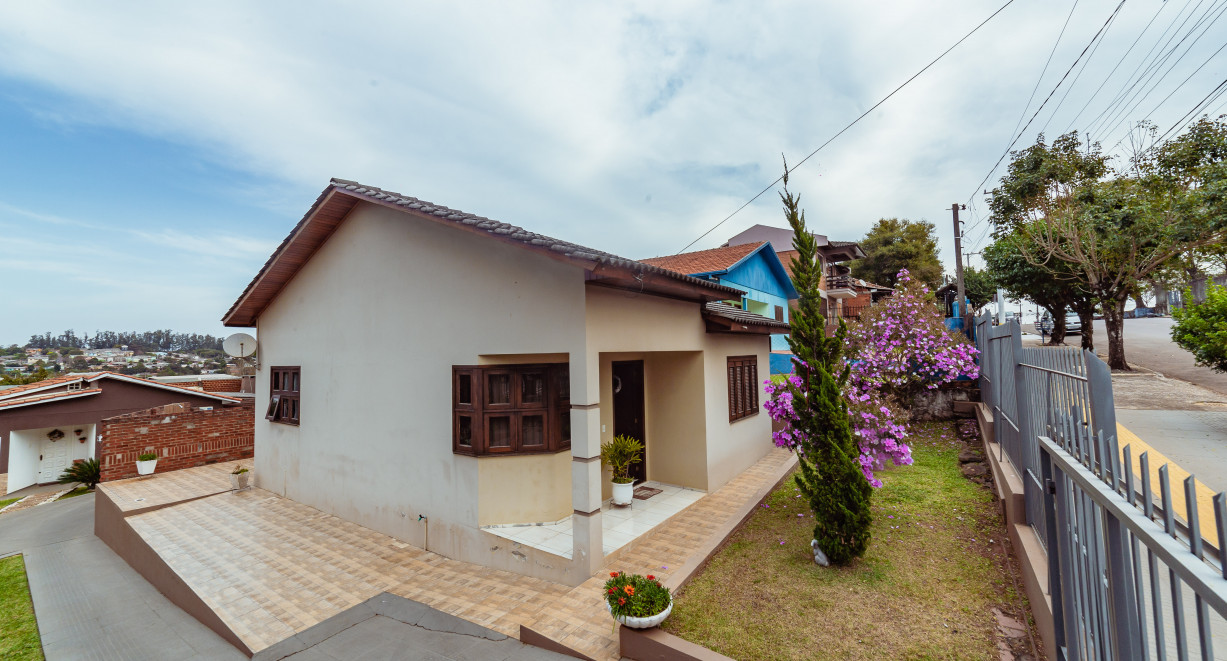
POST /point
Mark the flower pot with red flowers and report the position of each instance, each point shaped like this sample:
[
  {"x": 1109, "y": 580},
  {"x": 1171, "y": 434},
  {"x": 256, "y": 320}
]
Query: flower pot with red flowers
[{"x": 636, "y": 601}]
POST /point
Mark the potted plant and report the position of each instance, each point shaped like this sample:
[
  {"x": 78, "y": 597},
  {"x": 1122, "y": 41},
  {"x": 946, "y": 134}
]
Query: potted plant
[
  {"x": 638, "y": 602},
  {"x": 146, "y": 462},
  {"x": 240, "y": 477},
  {"x": 619, "y": 454}
]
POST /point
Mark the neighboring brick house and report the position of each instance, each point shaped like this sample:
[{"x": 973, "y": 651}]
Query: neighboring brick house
[
  {"x": 47, "y": 425},
  {"x": 183, "y": 436}
]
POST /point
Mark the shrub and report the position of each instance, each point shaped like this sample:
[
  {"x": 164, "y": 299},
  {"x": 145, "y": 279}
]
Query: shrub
[
  {"x": 1202, "y": 329},
  {"x": 85, "y": 471},
  {"x": 147, "y": 456},
  {"x": 633, "y": 595}
]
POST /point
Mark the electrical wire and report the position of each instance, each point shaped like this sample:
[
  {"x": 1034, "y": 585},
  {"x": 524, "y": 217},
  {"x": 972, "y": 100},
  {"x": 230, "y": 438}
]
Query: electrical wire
[
  {"x": 1070, "y": 87},
  {"x": 1094, "y": 39},
  {"x": 1043, "y": 71},
  {"x": 1119, "y": 62},
  {"x": 853, "y": 123}
]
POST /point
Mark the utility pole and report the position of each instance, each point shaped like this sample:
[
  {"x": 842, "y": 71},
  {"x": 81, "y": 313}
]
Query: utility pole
[{"x": 958, "y": 268}]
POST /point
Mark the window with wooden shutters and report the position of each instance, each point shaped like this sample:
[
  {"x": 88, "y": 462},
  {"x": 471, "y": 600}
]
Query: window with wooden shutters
[
  {"x": 511, "y": 409},
  {"x": 743, "y": 386},
  {"x": 779, "y": 313},
  {"x": 283, "y": 401}
]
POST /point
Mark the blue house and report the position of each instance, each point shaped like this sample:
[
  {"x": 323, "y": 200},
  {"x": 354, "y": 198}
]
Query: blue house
[{"x": 756, "y": 270}]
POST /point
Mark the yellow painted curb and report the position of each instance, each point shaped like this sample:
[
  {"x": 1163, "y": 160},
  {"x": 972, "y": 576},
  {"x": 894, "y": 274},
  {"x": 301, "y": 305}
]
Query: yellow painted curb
[{"x": 1205, "y": 502}]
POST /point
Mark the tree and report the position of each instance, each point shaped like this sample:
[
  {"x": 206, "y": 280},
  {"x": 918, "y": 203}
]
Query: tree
[
  {"x": 830, "y": 477},
  {"x": 1053, "y": 286},
  {"x": 1115, "y": 232},
  {"x": 979, "y": 285},
  {"x": 1202, "y": 329},
  {"x": 895, "y": 244}
]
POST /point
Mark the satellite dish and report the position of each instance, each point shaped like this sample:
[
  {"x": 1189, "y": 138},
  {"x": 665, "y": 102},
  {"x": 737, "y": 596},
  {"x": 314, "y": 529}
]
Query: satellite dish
[{"x": 239, "y": 345}]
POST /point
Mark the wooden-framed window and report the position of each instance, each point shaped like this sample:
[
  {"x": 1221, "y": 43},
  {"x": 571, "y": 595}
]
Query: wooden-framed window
[
  {"x": 779, "y": 313},
  {"x": 283, "y": 401},
  {"x": 511, "y": 409},
  {"x": 743, "y": 387}
]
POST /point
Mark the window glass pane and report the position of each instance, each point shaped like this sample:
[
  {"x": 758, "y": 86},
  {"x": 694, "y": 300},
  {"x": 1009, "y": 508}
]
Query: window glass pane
[
  {"x": 564, "y": 426},
  {"x": 532, "y": 388},
  {"x": 273, "y": 402},
  {"x": 564, "y": 382},
  {"x": 464, "y": 431},
  {"x": 498, "y": 387},
  {"x": 532, "y": 430},
  {"x": 276, "y": 380},
  {"x": 294, "y": 376},
  {"x": 465, "y": 394},
  {"x": 500, "y": 432}
]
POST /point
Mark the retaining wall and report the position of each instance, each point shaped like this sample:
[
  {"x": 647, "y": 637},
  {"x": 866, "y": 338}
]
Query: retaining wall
[{"x": 182, "y": 437}]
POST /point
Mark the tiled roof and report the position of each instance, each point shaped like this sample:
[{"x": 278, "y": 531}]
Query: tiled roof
[
  {"x": 8, "y": 393},
  {"x": 248, "y": 306},
  {"x": 726, "y": 311},
  {"x": 842, "y": 244},
  {"x": 56, "y": 381},
  {"x": 704, "y": 261},
  {"x": 40, "y": 398}
]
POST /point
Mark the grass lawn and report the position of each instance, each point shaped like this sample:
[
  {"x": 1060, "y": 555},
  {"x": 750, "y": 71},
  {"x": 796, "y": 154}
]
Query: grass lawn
[
  {"x": 18, "y": 631},
  {"x": 924, "y": 590},
  {"x": 10, "y": 501},
  {"x": 79, "y": 491}
]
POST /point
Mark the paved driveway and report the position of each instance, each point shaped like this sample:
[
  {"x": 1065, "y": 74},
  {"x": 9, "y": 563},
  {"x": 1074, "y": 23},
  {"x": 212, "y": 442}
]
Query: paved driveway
[
  {"x": 1148, "y": 342},
  {"x": 89, "y": 603}
]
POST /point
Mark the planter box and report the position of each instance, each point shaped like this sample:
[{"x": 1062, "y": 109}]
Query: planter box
[
  {"x": 240, "y": 481},
  {"x": 146, "y": 467}
]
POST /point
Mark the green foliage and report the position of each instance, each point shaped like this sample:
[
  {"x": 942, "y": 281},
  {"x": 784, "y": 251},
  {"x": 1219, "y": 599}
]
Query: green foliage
[
  {"x": 147, "y": 456},
  {"x": 238, "y": 470},
  {"x": 86, "y": 471},
  {"x": 619, "y": 454},
  {"x": 633, "y": 595},
  {"x": 979, "y": 285},
  {"x": 895, "y": 244},
  {"x": 830, "y": 476},
  {"x": 1202, "y": 329}
]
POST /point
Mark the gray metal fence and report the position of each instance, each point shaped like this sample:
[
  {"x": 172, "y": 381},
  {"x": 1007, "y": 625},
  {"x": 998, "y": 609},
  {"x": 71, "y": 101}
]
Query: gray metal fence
[{"x": 1124, "y": 569}]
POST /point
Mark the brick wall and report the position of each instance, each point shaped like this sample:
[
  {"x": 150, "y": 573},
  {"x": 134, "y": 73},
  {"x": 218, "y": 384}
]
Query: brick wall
[
  {"x": 182, "y": 437},
  {"x": 222, "y": 385}
]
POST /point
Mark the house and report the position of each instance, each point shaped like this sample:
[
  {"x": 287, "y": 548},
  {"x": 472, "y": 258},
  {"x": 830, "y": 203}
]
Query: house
[
  {"x": 46, "y": 425},
  {"x": 515, "y": 355},
  {"x": 753, "y": 268}
]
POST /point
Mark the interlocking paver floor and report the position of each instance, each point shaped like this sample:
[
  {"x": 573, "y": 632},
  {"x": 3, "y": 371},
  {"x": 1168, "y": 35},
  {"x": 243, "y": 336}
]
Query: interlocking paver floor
[
  {"x": 138, "y": 493},
  {"x": 271, "y": 567}
]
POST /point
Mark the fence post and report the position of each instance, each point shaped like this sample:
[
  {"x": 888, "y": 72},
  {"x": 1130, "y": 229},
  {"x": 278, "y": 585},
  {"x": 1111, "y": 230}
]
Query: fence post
[
  {"x": 1126, "y": 627},
  {"x": 1027, "y": 445},
  {"x": 1056, "y": 589}
]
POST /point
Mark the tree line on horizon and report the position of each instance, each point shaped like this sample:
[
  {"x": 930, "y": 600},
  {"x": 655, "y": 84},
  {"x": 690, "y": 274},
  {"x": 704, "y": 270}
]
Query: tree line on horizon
[{"x": 155, "y": 340}]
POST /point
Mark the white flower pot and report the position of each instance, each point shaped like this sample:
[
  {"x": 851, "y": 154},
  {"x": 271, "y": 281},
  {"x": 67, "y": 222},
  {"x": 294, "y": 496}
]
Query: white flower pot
[
  {"x": 146, "y": 467},
  {"x": 623, "y": 494},
  {"x": 240, "y": 481},
  {"x": 642, "y": 622}
]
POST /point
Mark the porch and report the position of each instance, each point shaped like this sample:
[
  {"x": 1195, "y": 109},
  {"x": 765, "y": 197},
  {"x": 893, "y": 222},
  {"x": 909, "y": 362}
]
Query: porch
[
  {"x": 39, "y": 456},
  {"x": 261, "y": 569}
]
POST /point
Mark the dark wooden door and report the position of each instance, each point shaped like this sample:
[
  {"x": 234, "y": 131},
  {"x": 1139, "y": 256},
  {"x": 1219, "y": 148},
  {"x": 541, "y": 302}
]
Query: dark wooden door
[{"x": 628, "y": 409}]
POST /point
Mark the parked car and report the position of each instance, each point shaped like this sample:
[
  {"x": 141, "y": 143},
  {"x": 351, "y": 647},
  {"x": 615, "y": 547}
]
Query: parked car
[{"x": 1073, "y": 323}]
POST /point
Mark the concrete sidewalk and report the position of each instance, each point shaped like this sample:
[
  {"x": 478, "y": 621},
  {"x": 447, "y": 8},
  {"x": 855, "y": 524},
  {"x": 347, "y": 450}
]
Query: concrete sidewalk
[{"x": 89, "y": 603}]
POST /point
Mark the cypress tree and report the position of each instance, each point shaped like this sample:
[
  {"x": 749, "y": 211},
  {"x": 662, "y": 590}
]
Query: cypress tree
[{"x": 830, "y": 479}]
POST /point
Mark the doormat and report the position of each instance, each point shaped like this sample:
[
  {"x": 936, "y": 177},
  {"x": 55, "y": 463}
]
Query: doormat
[{"x": 644, "y": 493}]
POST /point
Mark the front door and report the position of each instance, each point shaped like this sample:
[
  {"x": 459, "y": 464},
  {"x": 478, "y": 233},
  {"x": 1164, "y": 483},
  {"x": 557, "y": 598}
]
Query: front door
[
  {"x": 628, "y": 409},
  {"x": 53, "y": 458}
]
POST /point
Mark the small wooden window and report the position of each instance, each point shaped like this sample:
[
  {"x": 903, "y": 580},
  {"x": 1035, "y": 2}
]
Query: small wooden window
[
  {"x": 283, "y": 402},
  {"x": 508, "y": 409},
  {"x": 779, "y": 313},
  {"x": 743, "y": 387}
]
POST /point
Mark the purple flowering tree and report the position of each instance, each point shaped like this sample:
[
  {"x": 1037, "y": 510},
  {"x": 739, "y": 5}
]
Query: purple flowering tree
[{"x": 899, "y": 348}]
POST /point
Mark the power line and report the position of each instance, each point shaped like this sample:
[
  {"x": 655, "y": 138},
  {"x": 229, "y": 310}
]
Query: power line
[
  {"x": 1049, "y": 98},
  {"x": 1044, "y": 70},
  {"x": 1121, "y": 109},
  {"x": 1173, "y": 65},
  {"x": 1119, "y": 62},
  {"x": 1210, "y": 98},
  {"x": 1070, "y": 88},
  {"x": 854, "y": 122}
]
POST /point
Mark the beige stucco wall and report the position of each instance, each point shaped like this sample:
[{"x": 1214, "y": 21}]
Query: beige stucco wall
[
  {"x": 626, "y": 326},
  {"x": 532, "y": 488},
  {"x": 376, "y": 320}
]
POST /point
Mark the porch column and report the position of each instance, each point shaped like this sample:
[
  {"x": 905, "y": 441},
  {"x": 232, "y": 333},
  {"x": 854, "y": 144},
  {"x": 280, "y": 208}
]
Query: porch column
[
  {"x": 586, "y": 487},
  {"x": 587, "y": 554}
]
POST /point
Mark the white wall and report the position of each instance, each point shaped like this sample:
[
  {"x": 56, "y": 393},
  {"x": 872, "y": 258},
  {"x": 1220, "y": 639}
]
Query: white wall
[
  {"x": 25, "y": 445},
  {"x": 376, "y": 320}
]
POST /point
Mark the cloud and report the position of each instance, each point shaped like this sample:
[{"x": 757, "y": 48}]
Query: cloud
[{"x": 632, "y": 127}]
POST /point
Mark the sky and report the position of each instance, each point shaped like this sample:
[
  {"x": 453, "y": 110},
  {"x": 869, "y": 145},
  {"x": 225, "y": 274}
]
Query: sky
[{"x": 152, "y": 155}]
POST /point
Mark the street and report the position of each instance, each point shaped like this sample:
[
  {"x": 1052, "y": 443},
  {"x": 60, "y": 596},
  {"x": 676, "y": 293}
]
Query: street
[{"x": 1148, "y": 343}]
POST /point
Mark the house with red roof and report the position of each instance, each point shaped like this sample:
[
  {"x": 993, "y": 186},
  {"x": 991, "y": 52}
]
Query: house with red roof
[
  {"x": 518, "y": 355},
  {"x": 47, "y": 425}
]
